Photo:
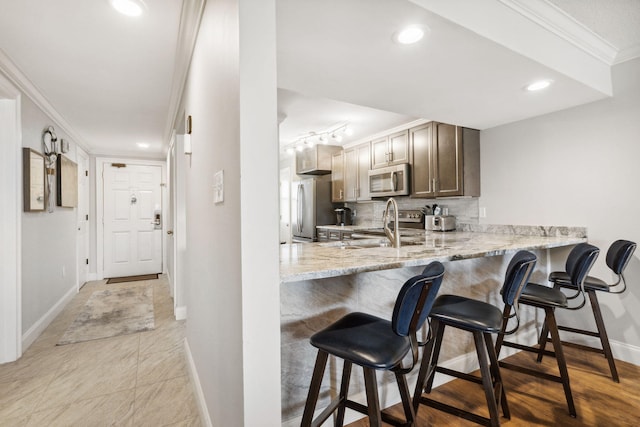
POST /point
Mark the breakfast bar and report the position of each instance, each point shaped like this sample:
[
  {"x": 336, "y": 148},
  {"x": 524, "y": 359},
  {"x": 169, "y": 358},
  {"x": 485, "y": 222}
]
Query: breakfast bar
[{"x": 321, "y": 282}]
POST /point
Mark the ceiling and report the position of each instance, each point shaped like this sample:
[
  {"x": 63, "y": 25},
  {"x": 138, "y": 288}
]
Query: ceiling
[{"x": 110, "y": 79}]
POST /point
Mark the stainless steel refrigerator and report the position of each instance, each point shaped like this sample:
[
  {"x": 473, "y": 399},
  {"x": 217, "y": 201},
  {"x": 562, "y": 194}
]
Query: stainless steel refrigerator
[{"x": 311, "y": 206}]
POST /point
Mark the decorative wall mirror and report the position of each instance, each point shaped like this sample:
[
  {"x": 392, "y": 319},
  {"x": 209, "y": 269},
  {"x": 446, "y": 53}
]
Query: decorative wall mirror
[
  {"x": 67, "y": 182},
  {"x": 33, "y": 180}
]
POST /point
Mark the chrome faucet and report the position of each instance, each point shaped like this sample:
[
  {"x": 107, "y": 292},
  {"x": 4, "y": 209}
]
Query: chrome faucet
[{"x": 392, "y": 235}]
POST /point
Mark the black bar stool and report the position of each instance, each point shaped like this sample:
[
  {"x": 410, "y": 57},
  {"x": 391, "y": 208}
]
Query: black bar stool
[
  {"x": 481, "y": 319},
  {"x": 618, "y": 256},
  {"x": 579, "y": 262},
  {"x": 374, "y": 344}
]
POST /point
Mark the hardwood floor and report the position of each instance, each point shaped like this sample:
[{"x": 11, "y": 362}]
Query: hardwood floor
[{"x": 535, "y": 402}]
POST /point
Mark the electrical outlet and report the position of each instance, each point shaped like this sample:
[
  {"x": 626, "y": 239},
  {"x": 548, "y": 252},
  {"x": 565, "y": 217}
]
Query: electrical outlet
[
  {"x": 64, "y": 271},
  {"x": 482, "y": 212}
]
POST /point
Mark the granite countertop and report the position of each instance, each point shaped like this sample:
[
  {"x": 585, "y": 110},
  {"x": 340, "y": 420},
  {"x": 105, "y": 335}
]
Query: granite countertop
[{"x": 307, "y": 261}]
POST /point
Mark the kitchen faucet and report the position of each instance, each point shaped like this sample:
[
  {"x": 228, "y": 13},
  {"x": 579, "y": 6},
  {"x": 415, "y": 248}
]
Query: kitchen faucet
[{"x": 392, "y": 235}]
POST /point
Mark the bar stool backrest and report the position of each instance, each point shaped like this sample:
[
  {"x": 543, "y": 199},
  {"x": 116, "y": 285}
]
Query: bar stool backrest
[
  {"x": 579, "y": 262},
  {"x": 415, "y": 300},
  {"x": 619, "y": 254},
  {"x": 517, "y": 275}
]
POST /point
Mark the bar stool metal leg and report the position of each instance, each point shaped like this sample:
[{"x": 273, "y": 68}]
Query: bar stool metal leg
[
  {"x": 314, "y": 389},
  {"x": 344, "y": 390}
]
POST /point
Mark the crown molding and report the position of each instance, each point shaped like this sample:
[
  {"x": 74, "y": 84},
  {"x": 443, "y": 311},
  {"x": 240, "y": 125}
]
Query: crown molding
[
  {"x": 628, "y": 54},
  {"x": 558, "y": 22},
  {"x": 26, "y": 86},
  {"x": 190, "y": 19}
]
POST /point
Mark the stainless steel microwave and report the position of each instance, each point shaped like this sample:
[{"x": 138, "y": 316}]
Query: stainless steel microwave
[{"x": 389, "y": 181}]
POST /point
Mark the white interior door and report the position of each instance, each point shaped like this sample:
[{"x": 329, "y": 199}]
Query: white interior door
[
  {"x": 83, "y": 218},
  {"x": 132, "y": 220}
]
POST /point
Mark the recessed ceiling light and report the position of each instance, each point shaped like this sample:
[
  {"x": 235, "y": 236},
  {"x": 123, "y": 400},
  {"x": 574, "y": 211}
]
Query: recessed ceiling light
[
  {"x": 539, "y": 85},
  {"x": 128, "y": 7},
  {"x": 142, "y": 144},
  {"x": 409, "y": 35}
]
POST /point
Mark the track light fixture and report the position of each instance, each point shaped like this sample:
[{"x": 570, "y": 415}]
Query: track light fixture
[{"x": 308, "y": 140}]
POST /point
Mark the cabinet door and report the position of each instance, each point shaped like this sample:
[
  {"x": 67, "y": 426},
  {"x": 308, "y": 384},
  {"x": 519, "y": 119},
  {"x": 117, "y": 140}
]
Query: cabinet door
[
  {"x": 422, "y": 170},
  {"x": 379, "y": 153},
  {"x": 399, "y": 148},
  {"x": 364, "y": 165},
  {"x": 350, "y": 175},
  {"x": 337, "y": 177},
  {"x": 448, "y": 160}
]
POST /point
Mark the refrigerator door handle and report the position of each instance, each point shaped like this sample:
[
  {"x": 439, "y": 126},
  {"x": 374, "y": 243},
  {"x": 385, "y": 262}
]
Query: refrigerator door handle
[
  {"x": 299, "y": 208},
  {"x": 301, "y": 201}
]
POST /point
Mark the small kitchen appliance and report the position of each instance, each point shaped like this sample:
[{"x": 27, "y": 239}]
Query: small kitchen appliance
[
  {"x": 343, "y": 216},
  {"x": 440, "y": 222}
]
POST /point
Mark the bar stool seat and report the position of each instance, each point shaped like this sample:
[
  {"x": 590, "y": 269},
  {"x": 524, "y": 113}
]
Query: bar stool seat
[
  {"x": 540, "y": 295},
  {"x": 374, "y": 344},
  {"x": 482, "y": 320},
  {"x": 465, "y": 313},
  {"x": 562, "y": 277}
]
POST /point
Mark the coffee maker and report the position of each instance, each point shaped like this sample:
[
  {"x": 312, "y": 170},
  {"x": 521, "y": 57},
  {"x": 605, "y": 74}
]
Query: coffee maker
[{"x": 343, "y": 216}]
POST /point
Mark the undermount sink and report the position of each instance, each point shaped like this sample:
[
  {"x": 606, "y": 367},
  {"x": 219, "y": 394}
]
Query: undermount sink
[{"x": 370, "y": 243}]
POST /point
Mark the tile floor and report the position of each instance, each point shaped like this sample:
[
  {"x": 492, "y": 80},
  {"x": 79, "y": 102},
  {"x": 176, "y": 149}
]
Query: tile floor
[{"x": 130, "y": 380}]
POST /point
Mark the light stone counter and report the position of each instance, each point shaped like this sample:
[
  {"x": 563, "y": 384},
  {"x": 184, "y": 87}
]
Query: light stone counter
[
  {"x": 305, "y": 261},
  {"x": 322, "y": 282}
]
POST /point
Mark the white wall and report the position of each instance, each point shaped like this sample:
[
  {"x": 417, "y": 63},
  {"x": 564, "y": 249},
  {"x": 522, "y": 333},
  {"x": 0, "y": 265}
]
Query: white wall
[
  {"x": 48, "y": 239},
  {"x": 231, "y": 276},
  {"x": 576, "y": 167}
]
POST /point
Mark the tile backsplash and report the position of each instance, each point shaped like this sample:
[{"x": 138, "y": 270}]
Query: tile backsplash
[{"x": 465, "y": 209}]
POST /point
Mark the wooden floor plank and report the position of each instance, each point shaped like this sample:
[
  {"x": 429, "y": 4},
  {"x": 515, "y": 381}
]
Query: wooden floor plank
[{"x": 535, "y": 402}]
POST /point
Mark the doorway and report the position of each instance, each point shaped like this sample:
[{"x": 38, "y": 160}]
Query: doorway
[
  {"x": 130, "y": 204},
  {"x": 83, "y": 217}
]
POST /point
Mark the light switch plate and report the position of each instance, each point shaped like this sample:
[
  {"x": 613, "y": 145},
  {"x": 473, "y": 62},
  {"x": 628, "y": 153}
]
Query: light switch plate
[{"x": 218, "y": 187}]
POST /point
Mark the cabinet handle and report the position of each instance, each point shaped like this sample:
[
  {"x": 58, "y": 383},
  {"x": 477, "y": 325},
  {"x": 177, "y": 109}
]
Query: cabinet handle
[
  {"x": 386, "y": 157},
  {"x": 391, "y": 157},
  {"x": 341, "y": 193},
  {"x": 357, "y": 193}
]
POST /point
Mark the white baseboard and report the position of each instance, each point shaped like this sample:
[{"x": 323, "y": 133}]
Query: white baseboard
[
  {"x": 197, "y": 387},
  {"x": 389, "y": 394},
  {"x": 34, "y": 331},
  {"x": 180, "y": 312},
  {"x": 625, "y": 352}
]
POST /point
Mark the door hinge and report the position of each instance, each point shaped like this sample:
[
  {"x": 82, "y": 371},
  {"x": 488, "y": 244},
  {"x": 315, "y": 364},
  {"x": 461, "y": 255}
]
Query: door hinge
[
  {"x": 86, "y": 217},
  {"x": 87, "y": 261},
  {"x": 86, "y": 173}
]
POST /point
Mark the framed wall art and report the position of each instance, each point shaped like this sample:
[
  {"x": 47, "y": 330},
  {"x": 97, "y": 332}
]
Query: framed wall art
[{"x": 33, "y": 180}]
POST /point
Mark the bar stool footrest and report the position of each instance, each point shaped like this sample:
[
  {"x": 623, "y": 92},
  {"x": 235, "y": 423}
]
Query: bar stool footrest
[
  {"x": 458, "y": 374},
  {"x": 578, "y": 331},
  {"x": 528, "y": 348},
  {"x": 533, "y": 372},
  {"x": 386, "y": 417},
  {"x": 456, "y": 411}
]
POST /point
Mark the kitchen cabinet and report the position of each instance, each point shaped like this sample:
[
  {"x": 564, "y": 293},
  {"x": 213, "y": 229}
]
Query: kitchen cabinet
[
  {"x": 316, "y": 160},
  {"x": 337, "y": 177},
  {"x": 390, "y": 150},
  {"x": 357, "y": 162},
  {"x": 445, "y": 160}
]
